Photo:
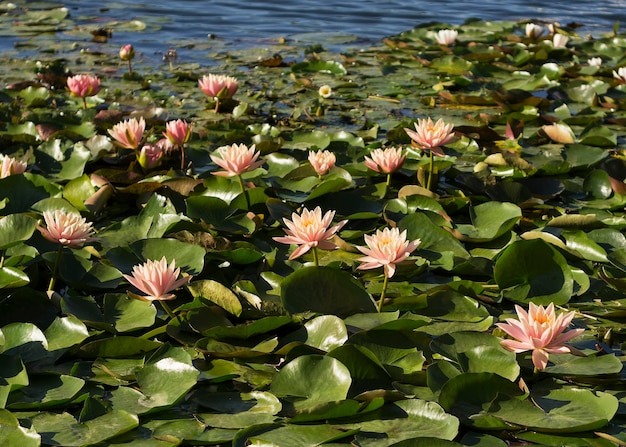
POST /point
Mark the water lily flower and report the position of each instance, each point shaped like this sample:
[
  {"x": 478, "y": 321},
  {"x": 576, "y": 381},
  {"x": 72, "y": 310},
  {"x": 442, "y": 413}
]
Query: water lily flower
[
  {"x": 325, "y": 91},
  {"x": 128, "y": 134},
  {"x": 431, "y": 136},
  {"x": 218, "y": 86},
  {"x": 66, "y": 228},
  {"x": 127, "y": 53},
  {"x": 595, "y": 62},
  {"x": 11, "y": 166},
  {"x": 150, "y": 155},
  {"x": 310, "y": 230},
  {"x": 83, "y": 85},
  {"x": 386, "y": 248},
  {"x": 446, "y": 36},
  {"x": 322, "y": 161},
  {"x": 236, "y": 159},
  {"x": 620, "y": 74},
  {"x": 539, "y": 330},
  {"x": 156, "y": 279},
  {"x": 559, "y": 133},
  {"x": 533, "y": 31},
  {"x": 559, "y": 40},
  {"x": 386, "y": 160},
  {"x": 178, "y": 132}
]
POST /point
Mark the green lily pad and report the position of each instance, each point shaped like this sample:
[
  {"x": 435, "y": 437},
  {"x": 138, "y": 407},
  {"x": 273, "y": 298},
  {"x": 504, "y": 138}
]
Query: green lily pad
[
  {"x": 319, "y": 67},
  {"x": 490, "y": 220},
  {"x": 13, "y": 433}
]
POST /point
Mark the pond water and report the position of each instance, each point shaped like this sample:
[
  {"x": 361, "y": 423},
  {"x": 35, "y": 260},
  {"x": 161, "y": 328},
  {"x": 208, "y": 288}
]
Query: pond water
[{"x": 245, "y": 24}]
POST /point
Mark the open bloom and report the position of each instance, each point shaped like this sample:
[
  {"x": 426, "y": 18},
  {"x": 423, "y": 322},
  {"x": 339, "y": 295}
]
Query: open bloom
[
  {"x": 178, "y": 132},
  {"x": 69, "y": 229},
  {"x": 322, "y": 161},
  {"x": 218, "y": 86},
  {"x": 309, "y": 229},
  {"x": 10, "y": 166},
  {"x": 386, "y": 248},
  {"x": 533, "y": 31},
  {"x": 595, "y": 62},
  {"x": 128, "y": 134},
  {"x": 446, "y": 36},
  {"x": 156, "y": 279},
  {"x": 620, "y": 74},
  {"x": 325, "y": 91},
  {"x": 431, "y": 136},
  {"x": 539, "y": 331},
  {"x": 236, "y": 159},
  {"x": 83, "y": 85},
  {"x": 386, "y": 160}
]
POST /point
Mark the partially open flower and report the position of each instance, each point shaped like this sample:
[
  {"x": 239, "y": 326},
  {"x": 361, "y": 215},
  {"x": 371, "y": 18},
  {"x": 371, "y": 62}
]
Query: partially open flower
[
  {"x": 595, "y": 62},
  {"x": 539, "y": 330},
  {"x": 386, "y": 160},
  {"x": 386, "y": 248},
  {"x": 559, "y": 40},
  {"x": 322, "y": 161},
  {"x": 156, "y": 279},
  {"x": 10, "y": 166},
  {"x": 218, "y": 86},
  {"x": 236, "y": 159},
  {"x": 446, "y": 36},
  {"x": 533, "y": 31},
  {"x": 620, "y": 74},
  {"x": 150, "y": 155},
  {"x": 309, "y": 229},
  {"x": 178, "y": 132},
  {"x": 83, "y": 85},
  {"x": 431, "y": 136},
  {"x": 128, "y": 134},
  {"x": 69, "y": 229}
]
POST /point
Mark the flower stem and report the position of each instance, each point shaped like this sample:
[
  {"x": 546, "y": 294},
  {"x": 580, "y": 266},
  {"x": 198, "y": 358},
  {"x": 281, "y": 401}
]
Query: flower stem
[
  {"x": 315, "y": 258},
  {"x": 182, "y": 158},
  {"x": 130, "y": 68},
  {"x": 84, "y": 103},
  {"x": 388, "y": 179},
  {"x": 244, "y": 191},
  {"x": 55, "y": 268},
  {"x": 382, "y": 294},
  {"x": 430, "y": 171},
  {"x": 168, "y": 310}
]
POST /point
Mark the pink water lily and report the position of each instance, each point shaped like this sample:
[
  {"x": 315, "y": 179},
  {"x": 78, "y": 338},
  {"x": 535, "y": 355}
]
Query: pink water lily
[
  {"x": 386, "y": 160},
  {"x": 11, "y": 166},
  {"x": 322, "y": 161},
  {"x": 218, "y": 86},
  {"x": 310, "y": 230},
  {"x": 386, "y": 248},
  {"x": 178, "y": 132},
  {"x": 446, "y": 36},
  {"x": 66, "y": 228},
  {"x": 236, "y": 159},
  {"x": 156, "y": 279},
  {"x": 150, "y": 155},
  {"x": 539, "y": 330},
  {"x": 129, "y": 133},
  {"x": 83, "y": 85},
  {"x": 431, "y": 136}
]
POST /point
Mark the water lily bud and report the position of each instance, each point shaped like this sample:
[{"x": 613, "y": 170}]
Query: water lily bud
[{"x": 127, "y": 52}]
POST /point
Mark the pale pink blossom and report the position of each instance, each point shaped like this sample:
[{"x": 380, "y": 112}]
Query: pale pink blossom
[
  {"x": 309, "y": 230},
  {"x": 322, "y": 161},
  {"x": 127, "y": 52},
  {"x": 83, "y": 85},
  {"x": 178, "y": 132},
  {"x": 431, "y": 136},
  {"x": 533, "y": 31},
  {"x": 218, "y": 86},
  {"x": 539, "y": 330},
  {"x": 559, "y": 40},
  {"x": 386, "y": 160},
  {"x": 128, "y": 134},
  {"x": 620, "y": 74},
  {"x": 446, "y": 36},
  {"x": 236, "y": 159},
  {"x": 11, "y": 166},
  {"x": 156, "y": 279},
  {"x": 69, "y": 229},
  {"x": 150, "y": 155},
  {"x": 386, "y": 248}
]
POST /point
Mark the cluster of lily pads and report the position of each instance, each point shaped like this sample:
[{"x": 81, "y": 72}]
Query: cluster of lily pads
[{"x": 150, "y": 302}]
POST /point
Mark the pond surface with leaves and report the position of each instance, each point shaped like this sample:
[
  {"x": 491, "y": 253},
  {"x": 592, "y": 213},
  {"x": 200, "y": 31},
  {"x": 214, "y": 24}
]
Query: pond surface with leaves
[{"x": 525, "y": 207}]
